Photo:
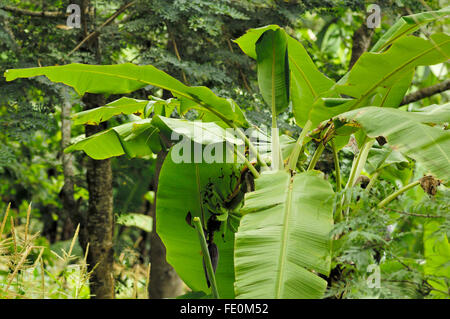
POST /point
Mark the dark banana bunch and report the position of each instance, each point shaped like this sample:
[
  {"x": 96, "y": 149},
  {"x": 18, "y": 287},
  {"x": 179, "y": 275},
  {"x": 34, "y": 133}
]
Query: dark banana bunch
[{"x": 222, "y": 210}]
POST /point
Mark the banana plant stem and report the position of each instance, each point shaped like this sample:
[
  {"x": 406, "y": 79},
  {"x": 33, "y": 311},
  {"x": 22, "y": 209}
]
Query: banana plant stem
[
  {"x": 316, "y": 156},
  {"x": 336, "y": 167},
  {"x": 293, "y": 159},
  {"x": 393, "y": 196},
  {"x": 251, "y": 147},
  {"x": 338, "y": 214},
  {"x": 206, "y": 257},
  {"x": 359, "y": 162},
  {"x": 249, "y": 165},
  {"x": 320, "y": 149}
]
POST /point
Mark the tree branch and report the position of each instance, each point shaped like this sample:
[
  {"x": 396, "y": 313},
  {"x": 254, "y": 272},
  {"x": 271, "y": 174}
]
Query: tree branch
[
  {"x": 46, "y": 14},
  {"x": 426, "y": 92}
]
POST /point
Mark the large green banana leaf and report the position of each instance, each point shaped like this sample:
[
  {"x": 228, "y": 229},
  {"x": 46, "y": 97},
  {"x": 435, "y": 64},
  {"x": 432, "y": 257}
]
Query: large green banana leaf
[
  {"x": 380, "y": 79},
  {"x": 126, "y": 78},
  {"x": 273, "y": 69},
  {"x": 182, "y": 189},
  {"x": 283, "y": 240},
  {"x": 135, "y": 139},
  {"x": 405, "y": 132},
  {"x": 407, "y": 25},
  {"x": 375, "y": 70},
  {"x": 392, "y": 96}
]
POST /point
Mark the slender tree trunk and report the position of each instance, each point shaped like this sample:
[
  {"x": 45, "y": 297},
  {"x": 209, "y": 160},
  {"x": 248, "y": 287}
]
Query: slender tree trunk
[
  {"x": 99, "y": 225},
  {"x": 164, "y": 281},
  {"x": 97, "y": 230},
  {"x": 70, "y": 208}
]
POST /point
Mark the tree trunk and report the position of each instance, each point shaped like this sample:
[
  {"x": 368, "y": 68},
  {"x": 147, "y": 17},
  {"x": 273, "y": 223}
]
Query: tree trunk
[
  {"x": 164, "y": 281},
  {"x": 99, "y": 227},
  {"x": 70, "y": 216}
]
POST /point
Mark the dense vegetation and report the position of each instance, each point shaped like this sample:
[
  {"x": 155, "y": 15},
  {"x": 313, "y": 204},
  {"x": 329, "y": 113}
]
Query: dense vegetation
[{"x": 315, "y": 150}]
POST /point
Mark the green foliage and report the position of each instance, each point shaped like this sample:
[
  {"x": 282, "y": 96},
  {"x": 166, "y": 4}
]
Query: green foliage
[
  {"x": 392, "y": 239},
  {"x": 290, "y": 213}
]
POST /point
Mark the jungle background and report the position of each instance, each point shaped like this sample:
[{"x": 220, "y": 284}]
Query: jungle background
[{"x": 46, "y": 195}]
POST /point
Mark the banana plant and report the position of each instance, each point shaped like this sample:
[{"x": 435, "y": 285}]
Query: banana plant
[{"x": 266, "y": 223}]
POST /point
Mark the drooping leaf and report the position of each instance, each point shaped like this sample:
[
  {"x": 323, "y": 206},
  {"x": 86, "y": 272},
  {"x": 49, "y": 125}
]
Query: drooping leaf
[
  {"x": 126, "y": 78},
  {"x": 284, "y": 236},
  {"x": 135, "y": 139},
  {"x": 405, "y": 132}
]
